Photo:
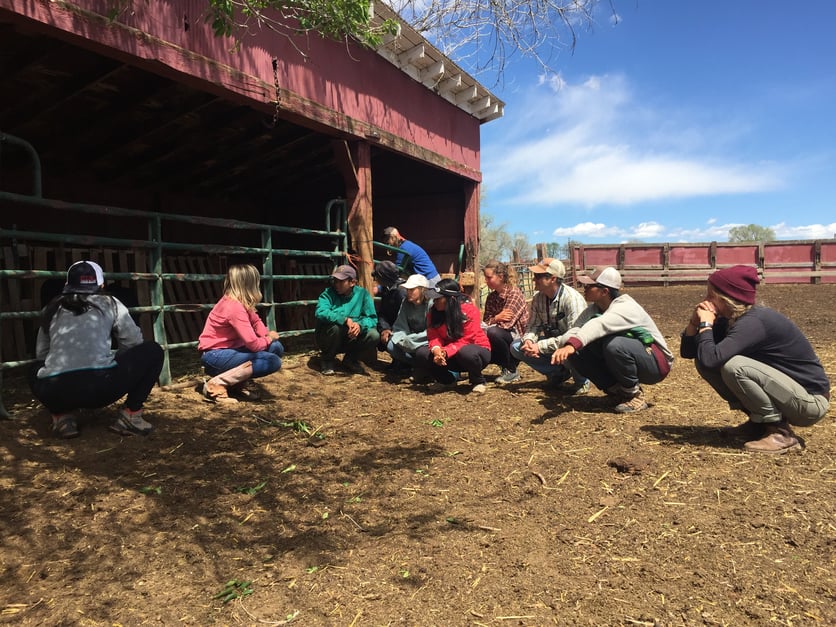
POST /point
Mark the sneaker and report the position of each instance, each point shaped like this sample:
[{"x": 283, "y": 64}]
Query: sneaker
[
  {"x": 779, "y": 439},
  {"x": 480, "y": 388},
  {"x": 637, "y": 403},
  {"x": 507, "y": 376},
  {"x": 64, "y": 426},
  {"x": 574, "y": 389},
  {"x": 131, "y": 423},
  {"x": 327, "y": 368},
  {"x": 353, "y": 366}
]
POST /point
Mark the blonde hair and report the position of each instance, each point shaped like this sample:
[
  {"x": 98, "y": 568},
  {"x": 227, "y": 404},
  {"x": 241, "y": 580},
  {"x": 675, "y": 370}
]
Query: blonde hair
[
  {"x": 504, "y": 270},
  {"x": 736, "y": 308},
  {"x": 243, "y": 283}
]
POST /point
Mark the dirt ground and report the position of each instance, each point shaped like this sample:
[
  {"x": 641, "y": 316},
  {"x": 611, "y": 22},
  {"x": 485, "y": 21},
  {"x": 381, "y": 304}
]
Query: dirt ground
[{"x": 353, "y": 500}]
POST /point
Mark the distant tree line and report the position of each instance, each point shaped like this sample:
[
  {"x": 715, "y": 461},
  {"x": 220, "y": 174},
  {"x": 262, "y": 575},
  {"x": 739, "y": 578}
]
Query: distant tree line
[{"x": 496, "y": 242}]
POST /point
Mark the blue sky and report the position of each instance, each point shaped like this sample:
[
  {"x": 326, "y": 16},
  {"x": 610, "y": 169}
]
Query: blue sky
[{"x": 679, "y": 122}]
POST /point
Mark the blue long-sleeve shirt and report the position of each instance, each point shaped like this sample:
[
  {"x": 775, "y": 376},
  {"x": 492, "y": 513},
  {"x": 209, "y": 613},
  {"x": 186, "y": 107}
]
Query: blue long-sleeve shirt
[{"x": 421, "y": 262}]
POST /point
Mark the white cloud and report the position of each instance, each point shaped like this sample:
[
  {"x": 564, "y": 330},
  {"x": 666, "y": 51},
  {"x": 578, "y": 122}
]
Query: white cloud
[
  {"x": 594, "y": 144},
  {"x": 811, "y": 231},
  {"x": 656, "y": 232}
]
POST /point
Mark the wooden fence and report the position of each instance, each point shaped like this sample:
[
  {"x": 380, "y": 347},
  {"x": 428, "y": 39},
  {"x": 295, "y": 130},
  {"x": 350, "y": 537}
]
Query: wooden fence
[{"x": 800, "y": 261}]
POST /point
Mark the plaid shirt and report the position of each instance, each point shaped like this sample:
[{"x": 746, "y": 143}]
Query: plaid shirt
[{"x": 513, "y": 299}]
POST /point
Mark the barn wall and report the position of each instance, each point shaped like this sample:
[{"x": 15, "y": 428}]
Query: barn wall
[{"x": 343, "y": 88}]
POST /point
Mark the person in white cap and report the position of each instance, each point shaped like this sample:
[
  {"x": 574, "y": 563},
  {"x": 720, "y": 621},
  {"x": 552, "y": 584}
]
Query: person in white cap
[
  {"x": 77, "y": 367},
  {"x": 615, "y": 343},
  {"x": 346, "y": 322},
  {"x": 409, "y": 333},
  {"x": 554, "y": 309}
]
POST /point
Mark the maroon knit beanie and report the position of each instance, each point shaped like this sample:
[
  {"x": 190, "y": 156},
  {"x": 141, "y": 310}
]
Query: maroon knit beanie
[{"x": 737, "y": 282}]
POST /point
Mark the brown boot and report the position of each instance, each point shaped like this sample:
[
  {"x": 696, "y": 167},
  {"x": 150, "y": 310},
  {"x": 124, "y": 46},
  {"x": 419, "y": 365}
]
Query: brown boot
[
  {"x": 778, "y": 439},
  {"x": 216, "y": 389},
  {"x": 747, "y": 431},
  {"x": 632, "y": 404}
]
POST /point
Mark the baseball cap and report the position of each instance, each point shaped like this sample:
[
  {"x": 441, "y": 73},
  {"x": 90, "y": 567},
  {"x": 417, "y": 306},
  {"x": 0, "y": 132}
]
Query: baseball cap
[
  {"x": 416, "y": 280},
  {"x": 608, "y": 277},
  {"x": 551, "y": 266},
  {"x": 344, "y": 272},
  {"x": 84, "y": 277}
]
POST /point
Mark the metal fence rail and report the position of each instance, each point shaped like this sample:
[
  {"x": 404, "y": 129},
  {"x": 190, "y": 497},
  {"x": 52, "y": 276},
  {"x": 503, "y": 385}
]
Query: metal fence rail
[{"x": 147, "y": 266}]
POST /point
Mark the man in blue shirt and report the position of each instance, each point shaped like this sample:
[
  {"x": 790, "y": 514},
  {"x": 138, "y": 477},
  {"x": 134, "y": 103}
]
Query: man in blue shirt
[{"x": 421, "y": 263}]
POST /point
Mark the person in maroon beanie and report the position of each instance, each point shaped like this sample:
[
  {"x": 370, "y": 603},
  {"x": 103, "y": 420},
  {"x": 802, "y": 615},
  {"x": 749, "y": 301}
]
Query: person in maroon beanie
[{"x": 757, "y": 360}]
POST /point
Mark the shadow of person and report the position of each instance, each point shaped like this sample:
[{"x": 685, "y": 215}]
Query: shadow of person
[{"x": 694, "y": 435}]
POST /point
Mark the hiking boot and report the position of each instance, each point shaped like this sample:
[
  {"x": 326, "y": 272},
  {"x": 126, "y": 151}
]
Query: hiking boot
[
  {"x": 507, "y": 376},
  {"x": 64, "y": 426},
  {"x": 327, "y": 368},
  {"x": 637, "y": 403},
  {"x": 131, "y": 423},
  {"x": 440, "y": 386},
  {"x": 353, "y": 366},
  {"x": 778, "y": 439},
  {"x": 747, "y": 431},
  {"x": 480, "y": 388}
]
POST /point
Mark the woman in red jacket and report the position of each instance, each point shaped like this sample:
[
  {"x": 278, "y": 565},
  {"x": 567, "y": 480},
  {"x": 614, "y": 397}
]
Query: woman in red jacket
[{"x": 457, "y": 342}]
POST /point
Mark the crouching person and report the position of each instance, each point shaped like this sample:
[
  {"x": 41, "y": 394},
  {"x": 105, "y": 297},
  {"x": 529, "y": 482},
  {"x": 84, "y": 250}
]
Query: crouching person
[
  {"x": 236, "y": 345},
  {"x": 346, "y": 322},
  {"x": 409, "y": 333},
  {"x": 757, "y": 360},
  {"x": 79, "y": 368},
  {"x": 615, "y": 343}
]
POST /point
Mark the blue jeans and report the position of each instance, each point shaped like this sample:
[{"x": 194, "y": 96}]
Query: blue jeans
[
  {"x": 764, "y": 393},
  {"x": 617, "y": 360},
  {"x": 399, "y": 355},
  {"x": 264, "y": 362},
  {"x": 543, "y": 364}
]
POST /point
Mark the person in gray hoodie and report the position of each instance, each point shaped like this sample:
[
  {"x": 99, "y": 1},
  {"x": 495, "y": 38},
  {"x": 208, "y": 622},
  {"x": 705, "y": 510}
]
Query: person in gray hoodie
[
  {"x": 78, "y": 367},
  {"x": 615, "y": 343}
]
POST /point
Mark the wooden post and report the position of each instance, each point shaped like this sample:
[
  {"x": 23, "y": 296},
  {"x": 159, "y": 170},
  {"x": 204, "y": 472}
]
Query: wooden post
[{"x": 354, "y": 161}]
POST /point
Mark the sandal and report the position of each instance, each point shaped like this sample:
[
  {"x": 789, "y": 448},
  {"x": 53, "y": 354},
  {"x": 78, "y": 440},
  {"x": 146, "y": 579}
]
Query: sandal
[{"x": 65, "y": 426}]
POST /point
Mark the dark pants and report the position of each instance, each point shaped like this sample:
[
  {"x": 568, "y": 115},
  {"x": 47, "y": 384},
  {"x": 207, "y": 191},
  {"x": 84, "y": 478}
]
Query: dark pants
[
  {"x": 135, "y": 374},
  {"x": 332, "y": 339},
  {"x": 501, "y": 340},
  {"x": 472, "y": 359},
  {"x": 616, "y": 360}
]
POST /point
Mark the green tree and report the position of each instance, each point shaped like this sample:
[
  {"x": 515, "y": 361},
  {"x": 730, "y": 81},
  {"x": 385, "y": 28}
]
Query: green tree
[
  {"x": 497, "y": 243},
  {"x": 751, "y": 233},
  {"x": 561, "y": 251},
  {"x": 340, "y": 20}
]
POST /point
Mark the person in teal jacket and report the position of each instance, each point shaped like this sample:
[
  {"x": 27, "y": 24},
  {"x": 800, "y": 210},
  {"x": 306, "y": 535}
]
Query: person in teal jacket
[{"x": 346, "y": 322}]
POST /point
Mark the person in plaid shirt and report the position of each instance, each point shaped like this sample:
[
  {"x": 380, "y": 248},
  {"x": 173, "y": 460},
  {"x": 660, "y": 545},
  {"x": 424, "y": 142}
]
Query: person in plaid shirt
[{"x": 506, "y": 317}]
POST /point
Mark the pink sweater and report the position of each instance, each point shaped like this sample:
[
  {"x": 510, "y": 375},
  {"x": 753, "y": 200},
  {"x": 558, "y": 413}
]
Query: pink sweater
[{"x": 231, "y": 325}]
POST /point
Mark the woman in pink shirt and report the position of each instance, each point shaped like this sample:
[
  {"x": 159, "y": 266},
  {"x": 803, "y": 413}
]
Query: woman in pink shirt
[{"x": 236, "y": 345}]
